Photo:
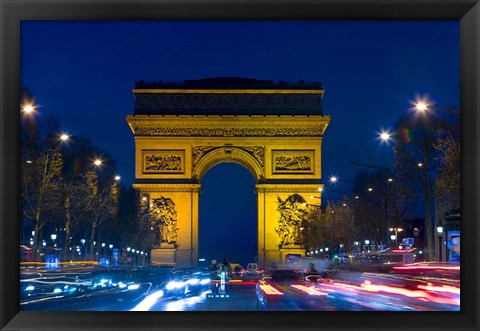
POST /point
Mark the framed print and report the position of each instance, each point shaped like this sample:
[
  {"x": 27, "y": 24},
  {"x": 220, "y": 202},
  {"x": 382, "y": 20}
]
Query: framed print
[{"x": 239, "y": 165}]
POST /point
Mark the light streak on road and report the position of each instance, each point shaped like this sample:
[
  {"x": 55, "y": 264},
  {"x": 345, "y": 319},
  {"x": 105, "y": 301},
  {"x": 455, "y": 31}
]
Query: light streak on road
[
  {"x": 268, "y": 289},
  {"x": 43, "y": 299},
  {"x": 410, "y": 293},
  {"x": 181, "y": 304},
  {"x": 426, "y": 267},
  {"x": 148, "y": 302},
  {"x": 309, "y": 290},
  {"x": 414, "y": 294},
  {"x": 443, "y": 288},
  {"x": 38, "y": 281}
]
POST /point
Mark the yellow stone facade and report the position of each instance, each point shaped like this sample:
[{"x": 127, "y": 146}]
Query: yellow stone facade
[{"x": 173, "y": 152}]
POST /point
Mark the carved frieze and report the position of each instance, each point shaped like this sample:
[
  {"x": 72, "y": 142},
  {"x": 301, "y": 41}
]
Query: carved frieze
[
  {"x": 229, "y": 131},
  {"x": 293, "y": 161},
  {"x": 164, "y": 161},
  {"x": 257, "y": 152}
]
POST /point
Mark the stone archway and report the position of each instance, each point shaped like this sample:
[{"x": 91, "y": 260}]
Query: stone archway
[
  {"x": 209, "y": 156},
  {"x": 183, "y": 130}
]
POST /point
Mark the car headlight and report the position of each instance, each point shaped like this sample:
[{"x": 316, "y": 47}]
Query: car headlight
[
  {"x": 174, "y": 284},
  {"x": 193, "y": 281}
]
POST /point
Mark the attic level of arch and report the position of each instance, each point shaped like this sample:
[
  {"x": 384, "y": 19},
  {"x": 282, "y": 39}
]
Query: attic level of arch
[{"x": 235, "y": 97}]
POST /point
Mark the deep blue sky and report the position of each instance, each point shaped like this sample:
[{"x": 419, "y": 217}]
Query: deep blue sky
[{"x": 83, "y": 72}]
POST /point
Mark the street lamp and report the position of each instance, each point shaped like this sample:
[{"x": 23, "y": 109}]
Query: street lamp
[
  {"x": 97, "y": 162},
  {"x": 385, "y": 136},
  {"x": 425, "y": 105},
  {"x": 440, "y": 239},
  {"x": 54, "y": 237},
  {"x": 395, "y": 236},
  {"x": 83, "y": 247},
  {"x": 28, "y": 108}
]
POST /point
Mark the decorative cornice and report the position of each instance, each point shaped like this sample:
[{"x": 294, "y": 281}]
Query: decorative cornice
[
  {"x": 167, "y": 187},
  {"x": 229, "y": 131},
  {"x": 287, "y": 188},
  {"x": 228, "y": 125}
]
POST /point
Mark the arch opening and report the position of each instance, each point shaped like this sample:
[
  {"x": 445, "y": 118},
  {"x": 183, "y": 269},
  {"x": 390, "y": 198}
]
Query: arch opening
[{"x": 228, "y": 214}]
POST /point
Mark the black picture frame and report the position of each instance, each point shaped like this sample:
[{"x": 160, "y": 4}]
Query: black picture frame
[{"x": 13, "y": 11}]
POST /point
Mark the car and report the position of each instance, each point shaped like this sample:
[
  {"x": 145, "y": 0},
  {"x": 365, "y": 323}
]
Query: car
[
  {"x": 253, "y": 271},
  {"x": 174, "y": 286},
  {"x": 288, "y": 289},
  {"x": 252, "y": 268},
  {"x": 187, "y": 280}
]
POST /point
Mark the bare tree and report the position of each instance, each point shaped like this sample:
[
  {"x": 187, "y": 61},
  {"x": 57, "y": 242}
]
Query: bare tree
[
  {"x": 416, "y": 164},
  {"x": 100, "y": 201},
  {"x": 41, "y": 166},
  {"x": 448, "y": 146}
]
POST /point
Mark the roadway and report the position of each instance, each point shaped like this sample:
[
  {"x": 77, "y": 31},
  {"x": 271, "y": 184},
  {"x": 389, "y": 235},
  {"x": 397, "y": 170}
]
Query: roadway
[{"x": 87, "y": 288}]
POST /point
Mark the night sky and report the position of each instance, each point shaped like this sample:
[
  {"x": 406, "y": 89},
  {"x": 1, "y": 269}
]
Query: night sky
[{"x": 83, "y": 72}]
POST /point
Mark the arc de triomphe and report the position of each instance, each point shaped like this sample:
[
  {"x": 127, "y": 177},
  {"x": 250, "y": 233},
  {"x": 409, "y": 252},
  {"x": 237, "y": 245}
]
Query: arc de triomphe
[{"x": 274, "y": 130}]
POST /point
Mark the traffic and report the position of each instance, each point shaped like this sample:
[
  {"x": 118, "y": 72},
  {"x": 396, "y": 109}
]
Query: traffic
[{"x": 308, "y": 285}]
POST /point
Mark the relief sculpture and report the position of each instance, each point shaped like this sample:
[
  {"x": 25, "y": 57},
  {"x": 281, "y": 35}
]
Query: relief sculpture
[
  {"x": 285, "y": 161},
  {"x": 163, "y": 220},
  {"x": 166, "y": 162},
  {"x": 301, "y": 162},
  {"x": 291, "y": 217}
]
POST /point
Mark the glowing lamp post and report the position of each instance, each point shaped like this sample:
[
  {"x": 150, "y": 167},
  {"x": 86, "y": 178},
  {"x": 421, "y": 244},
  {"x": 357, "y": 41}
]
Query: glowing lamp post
[
  {"x": 440, "y": 244},
  {"x": 54, "y": 237},
  {"x": 396, "y": 230},
  {"x": 84, "y": 247},
  {"x": 28, "y": 109}
]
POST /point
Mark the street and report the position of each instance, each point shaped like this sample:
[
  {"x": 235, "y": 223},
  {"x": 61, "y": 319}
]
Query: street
[{"x": 91, "y": 288}]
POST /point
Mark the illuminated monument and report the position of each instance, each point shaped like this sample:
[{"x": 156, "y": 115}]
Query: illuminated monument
[{"x": 274, "y": 130}]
